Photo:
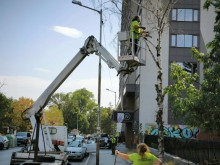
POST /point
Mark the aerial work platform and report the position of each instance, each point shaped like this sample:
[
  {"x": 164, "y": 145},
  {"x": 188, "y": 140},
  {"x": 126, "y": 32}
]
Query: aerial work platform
[{"x": 126, "y": 51}]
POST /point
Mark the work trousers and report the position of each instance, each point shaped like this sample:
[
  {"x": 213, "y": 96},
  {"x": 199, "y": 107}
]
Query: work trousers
[
  {"x": 113, "y": 148},
  {"x": 135, "y": 45}
]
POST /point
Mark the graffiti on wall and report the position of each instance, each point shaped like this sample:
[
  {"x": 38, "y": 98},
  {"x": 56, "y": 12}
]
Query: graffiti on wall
[{"x": 177, "y": 131}]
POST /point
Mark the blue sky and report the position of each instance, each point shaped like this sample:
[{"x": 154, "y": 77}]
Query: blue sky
[{"x": 37, "y": 40}]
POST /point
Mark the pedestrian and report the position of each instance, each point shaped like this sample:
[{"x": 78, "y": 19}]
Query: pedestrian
[
  {"x": 113, "y": 144},
  {"x": 136, "y": 30},
  {"x": 106, "y": 141},
  {"x": 143, "y": 157}
]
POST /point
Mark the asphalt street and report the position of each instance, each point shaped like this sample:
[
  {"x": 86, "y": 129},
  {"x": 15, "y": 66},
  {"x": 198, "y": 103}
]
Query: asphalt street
[{"x": 105, "y": 156}]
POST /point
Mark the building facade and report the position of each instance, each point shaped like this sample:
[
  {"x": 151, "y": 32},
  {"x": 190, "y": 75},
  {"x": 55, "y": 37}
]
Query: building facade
[{"x": 189, "y": 26}]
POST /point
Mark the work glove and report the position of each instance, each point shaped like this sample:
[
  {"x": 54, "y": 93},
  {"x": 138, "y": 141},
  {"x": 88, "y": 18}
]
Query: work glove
[{"x": 142, "y": 27}]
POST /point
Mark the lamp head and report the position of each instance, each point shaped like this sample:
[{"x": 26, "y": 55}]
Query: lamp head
[{"x": 77, "y": 2}]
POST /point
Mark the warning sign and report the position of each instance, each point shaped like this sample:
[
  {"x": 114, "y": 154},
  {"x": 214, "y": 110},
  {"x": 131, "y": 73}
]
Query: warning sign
[
  {"x": 123, "y": 116},
  {"x": 120, "y": 117}
]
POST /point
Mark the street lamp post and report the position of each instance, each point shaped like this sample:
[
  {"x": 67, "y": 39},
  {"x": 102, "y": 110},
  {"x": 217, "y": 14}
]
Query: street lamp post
[
  {"x": 115, "y": 95},
  {"x": 99, "y": 78},
  {"x": 115, "y": 109}
]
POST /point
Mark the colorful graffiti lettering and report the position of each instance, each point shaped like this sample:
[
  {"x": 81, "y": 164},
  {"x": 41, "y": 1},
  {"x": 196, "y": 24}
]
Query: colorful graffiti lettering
[{"x": 176, "y": 131}]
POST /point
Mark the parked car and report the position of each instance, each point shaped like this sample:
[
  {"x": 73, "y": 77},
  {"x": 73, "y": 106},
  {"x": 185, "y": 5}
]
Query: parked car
[
  {"x": 80, "y": 138},
  {"x": 104, "y": 141},
  {"x": 23, "y": 138},
  {"x": 76, "y": 150},
  {"x": 4, "y": 143},
  {"x": 70, "y": 139},
  {"x": 90, "y": 141}
]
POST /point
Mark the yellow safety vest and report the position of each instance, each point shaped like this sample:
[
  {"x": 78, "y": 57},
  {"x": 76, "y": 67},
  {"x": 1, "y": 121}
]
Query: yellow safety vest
[{"x": 113, "y": 140}]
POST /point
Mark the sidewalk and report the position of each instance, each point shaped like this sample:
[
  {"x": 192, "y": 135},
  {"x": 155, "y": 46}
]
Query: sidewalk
[{"x": 109, "y": 159}]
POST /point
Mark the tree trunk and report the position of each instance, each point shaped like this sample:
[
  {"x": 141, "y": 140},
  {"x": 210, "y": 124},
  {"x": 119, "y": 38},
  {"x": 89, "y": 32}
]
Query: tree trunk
[{"x": 160, "y": 97}]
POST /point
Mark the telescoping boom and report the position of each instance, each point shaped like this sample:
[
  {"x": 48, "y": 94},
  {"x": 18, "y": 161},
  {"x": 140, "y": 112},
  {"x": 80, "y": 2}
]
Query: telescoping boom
[{"x": 43, "y": 143}]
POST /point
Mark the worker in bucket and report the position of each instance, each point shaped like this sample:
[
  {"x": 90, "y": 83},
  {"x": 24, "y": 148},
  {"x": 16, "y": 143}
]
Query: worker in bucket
[
  {"x": 135, "y": 32},
  {"x": 143, "y": 157}
]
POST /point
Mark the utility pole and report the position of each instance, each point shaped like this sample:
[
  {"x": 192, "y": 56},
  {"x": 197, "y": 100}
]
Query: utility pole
[{"x": 99, "y": 80}]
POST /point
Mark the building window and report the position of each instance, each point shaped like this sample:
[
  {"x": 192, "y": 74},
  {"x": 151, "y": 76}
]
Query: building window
[
  {"x": 181, "y": 40},
  {"x": 195, "y": 15},
  {"x": 185, "y": 15},
  {"x": 189, "y": 67},
  {"x": 180, "y": 15},
  {"x": 174, "y": 14},
  {"x": 173, "y": 40},
  {"x": 195, "y": 41}
]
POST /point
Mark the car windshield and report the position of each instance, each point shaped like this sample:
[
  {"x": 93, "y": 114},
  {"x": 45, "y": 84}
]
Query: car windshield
[
  {"x": 75, "y": 144},
  {"x": 70, "y": 137},
  {"x": 79, "y": 138},
  {"x": 21, "y": 134}
]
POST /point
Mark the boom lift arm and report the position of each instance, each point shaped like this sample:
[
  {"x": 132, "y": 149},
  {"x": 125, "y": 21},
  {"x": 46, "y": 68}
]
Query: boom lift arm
[{"x": 91, "y": 46}]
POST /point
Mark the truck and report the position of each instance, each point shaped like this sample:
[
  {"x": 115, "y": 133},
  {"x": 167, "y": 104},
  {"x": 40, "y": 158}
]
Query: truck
[{"x": 43, "y": 149}]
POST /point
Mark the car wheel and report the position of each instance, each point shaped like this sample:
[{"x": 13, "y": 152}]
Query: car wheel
[{"x": 1, "y": 146}]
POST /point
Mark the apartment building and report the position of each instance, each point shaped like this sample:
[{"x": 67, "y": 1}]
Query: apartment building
[{"x": 190, "y": 26}]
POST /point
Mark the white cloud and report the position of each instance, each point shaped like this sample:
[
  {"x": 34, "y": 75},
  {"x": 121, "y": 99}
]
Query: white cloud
[
  {"x": 70, "y": 32},
  {"x": 31, "y": 87},
  {"x": 42, "y": 70}
]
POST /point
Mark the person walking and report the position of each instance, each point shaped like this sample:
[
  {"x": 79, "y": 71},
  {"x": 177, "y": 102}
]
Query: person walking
[
  {"x": 113, "y": 144},
  {"x": 143, "y": 157},
  {"x": 135, "y": 31}
]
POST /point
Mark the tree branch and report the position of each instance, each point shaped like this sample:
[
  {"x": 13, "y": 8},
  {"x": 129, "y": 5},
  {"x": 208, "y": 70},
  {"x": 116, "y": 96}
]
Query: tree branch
[{"x": 152, "y": 54}]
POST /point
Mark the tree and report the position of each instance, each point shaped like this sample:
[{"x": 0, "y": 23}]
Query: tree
[
  {"x": 92, "y": 118},
  {"x": 106, "y": 120},
  {"x": 19, "y": 107},
  {"x": 201, "y": 103},
  {"x": 78, "y": 104},
  {"x": 58, "y": 99},
  {"x": 157, "y": 19},
  {"x": 6, "y": 109},
  {"x": 54, "y": 115}
]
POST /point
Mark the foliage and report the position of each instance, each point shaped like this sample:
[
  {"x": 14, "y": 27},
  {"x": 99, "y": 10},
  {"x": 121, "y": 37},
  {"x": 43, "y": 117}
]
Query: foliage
[
  {"x": 92, "y": 119},
  {"x": 78, "y": 104},
  {"x": 106, "y": 120},
  {"x": 54, "y": 116},
  {"x": 63, "y": 109},
  {"x": 81, "y": 104},
  {"x": 57, "y": 99},
  {"x": 19, "y": 106},
  {"x": 202, "y": 103},
  {"x": 6, "y": 109}
]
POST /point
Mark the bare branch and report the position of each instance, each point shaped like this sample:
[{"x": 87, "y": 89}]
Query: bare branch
[
  {"x": 1, "y": 84},
  {"x": 116, "y": 5},
  {"x": 152, "y": 54},
  {"x": 166, "y": 13}
]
